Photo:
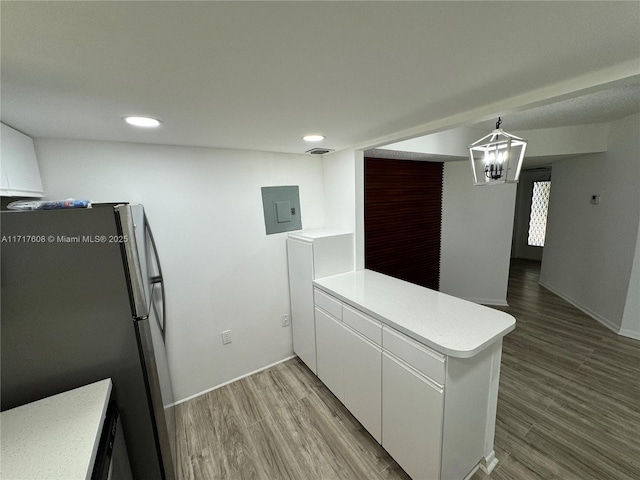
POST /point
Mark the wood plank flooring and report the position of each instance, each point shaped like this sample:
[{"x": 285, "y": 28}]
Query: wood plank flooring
[
  {"x": 281, "y": 423},
  {"x": 568, "y": 408},
  {"x": 569, "y": 399}
]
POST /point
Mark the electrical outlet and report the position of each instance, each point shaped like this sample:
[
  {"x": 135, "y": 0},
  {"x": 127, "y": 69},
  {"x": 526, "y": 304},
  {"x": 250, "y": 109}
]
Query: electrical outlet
[
  {"x": 285, "y": 320},
  {"x": 226, "y": 337}
]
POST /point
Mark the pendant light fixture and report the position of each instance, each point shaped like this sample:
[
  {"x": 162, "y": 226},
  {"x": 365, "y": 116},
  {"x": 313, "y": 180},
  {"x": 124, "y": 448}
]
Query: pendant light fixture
[{"x": 497, "y": 157}]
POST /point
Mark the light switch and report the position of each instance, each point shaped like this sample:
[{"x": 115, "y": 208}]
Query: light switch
[
  {"x": 283, "y": 211},
  {"x": 595, "y": 199}
]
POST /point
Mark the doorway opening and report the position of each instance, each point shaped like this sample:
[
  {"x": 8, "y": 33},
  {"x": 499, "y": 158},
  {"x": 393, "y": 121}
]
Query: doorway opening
[{"x": 530, "y": 222}]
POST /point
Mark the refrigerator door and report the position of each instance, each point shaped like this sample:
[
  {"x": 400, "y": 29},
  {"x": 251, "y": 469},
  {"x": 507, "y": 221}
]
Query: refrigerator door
[
  {"x": 129, "y": 244},
  {"x": 158, "y": 327},
  {"x": 151, "y": 330}
]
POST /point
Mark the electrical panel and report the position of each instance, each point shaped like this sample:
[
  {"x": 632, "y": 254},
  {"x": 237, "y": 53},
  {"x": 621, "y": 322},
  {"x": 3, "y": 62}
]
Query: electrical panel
[{"x": 281, "y": 207}]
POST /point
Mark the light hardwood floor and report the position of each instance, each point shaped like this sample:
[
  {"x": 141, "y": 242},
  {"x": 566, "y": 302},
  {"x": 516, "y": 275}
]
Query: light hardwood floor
[{"x": 568, "y": 408}]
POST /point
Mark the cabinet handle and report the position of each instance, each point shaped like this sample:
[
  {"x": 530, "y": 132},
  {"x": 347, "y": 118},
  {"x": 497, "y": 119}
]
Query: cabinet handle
[
  {"x": 431, "y": 382},
  {"x": 362, "y": 337}
]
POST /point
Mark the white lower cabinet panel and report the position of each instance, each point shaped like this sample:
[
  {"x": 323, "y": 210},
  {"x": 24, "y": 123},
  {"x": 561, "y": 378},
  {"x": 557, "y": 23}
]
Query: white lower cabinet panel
[
  {"x": 363, "y": 382},
  {"x": 330, "y": 352},
  {"x": 412, "y": 416},
  {"x": 301, "y": 290},
  {"x": 396, "y": 390}
]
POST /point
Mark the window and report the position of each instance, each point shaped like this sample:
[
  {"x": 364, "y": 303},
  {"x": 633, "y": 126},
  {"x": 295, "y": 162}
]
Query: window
[{"x": 538, "y": 218}]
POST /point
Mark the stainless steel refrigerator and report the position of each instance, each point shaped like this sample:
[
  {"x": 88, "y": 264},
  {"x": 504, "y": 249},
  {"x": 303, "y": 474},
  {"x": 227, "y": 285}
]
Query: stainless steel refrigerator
[{"x": 82, "y": 300}]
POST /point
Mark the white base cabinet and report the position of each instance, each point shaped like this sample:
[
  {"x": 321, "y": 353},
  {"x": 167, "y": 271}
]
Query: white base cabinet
[
  {"x": 433, "y": 413},
  {"x": 301, "y": 292},
  {"x": 350, "y": 365}
]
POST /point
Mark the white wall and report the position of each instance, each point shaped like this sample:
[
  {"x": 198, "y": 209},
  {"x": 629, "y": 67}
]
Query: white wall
[
  {"x": 343, "y": 198},
  {"x": 221, "y": 270},
  {"x": 477, "y": 224},
  {"x": 340, "y": 190},
  {"x": 590, "y": 249},
  {"x": 449, "y": 143},
  {"x": 631, "y": 317},
  {"x": 569, "y": 140}
]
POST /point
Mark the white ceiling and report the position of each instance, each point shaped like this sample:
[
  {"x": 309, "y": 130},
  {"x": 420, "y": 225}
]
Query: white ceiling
[
  {"x": 260, "y": 75},
  {"x": 611, "y": 103},
  {"x": 614, "y": 102}
]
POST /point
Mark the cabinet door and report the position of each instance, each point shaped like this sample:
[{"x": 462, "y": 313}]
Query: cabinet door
[
  {"x": 412, "y": 416},
  {"x": 21, "y": 174},
  {"x": 363, "y": 382},
  {"x": 300, "y": 257},
  {"x": 4, "y": 179},
  {"x": 330, "y": 335}
]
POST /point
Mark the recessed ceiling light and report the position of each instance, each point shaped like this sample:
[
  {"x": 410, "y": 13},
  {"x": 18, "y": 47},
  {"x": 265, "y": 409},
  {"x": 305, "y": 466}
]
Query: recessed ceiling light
[
  {"x": 142, "y": 121},
  {"x": 313, "y": 138}
]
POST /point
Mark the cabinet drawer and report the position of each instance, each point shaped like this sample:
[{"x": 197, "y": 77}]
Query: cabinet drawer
[
  {"x": 425, "y": 360},
  {"x": 327, "y": 303},
  {"x": 362, "y": 323}
]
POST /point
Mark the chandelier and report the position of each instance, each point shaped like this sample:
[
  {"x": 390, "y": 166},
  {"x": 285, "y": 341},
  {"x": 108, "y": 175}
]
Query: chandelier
[{"x": 497, "y": 157}]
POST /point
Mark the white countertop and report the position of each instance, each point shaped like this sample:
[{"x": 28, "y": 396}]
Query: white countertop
[
  {"x": 447, "y": 324},
  {"x": 312, "y": 234},
  {"x": 56, "y": 437}
]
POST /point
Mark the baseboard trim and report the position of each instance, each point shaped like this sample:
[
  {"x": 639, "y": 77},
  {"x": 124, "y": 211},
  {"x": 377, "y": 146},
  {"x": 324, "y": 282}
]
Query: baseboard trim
[
  {"x": 599, "y": 318},
  {"x": 489, "y": 462},
  {"x": 630, "y": 334},
  {"x": 231, "y": 381},
  {"x": 488, "y": 301}
]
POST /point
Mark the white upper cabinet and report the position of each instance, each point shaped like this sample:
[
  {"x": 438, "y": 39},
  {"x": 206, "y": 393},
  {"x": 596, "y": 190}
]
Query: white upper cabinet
[{"x": 20, "y": 172}]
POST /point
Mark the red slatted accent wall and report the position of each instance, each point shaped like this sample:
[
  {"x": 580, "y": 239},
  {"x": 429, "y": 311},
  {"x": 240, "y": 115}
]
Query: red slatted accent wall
[{"x": 402, "y": 219}]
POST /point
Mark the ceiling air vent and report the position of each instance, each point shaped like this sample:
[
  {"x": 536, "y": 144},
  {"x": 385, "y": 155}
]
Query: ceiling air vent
[{"x": 318, "y": 151}]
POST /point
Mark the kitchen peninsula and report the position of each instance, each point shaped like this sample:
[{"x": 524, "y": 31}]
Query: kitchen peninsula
[{"x": 418, "y": 368}]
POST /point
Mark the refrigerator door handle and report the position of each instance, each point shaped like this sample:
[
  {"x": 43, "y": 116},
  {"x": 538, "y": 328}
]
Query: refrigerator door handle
[
  {"x": 155, "y": 280},
  {"x": 157, "y": 314},
  {"x": 135, "y": 280}
]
